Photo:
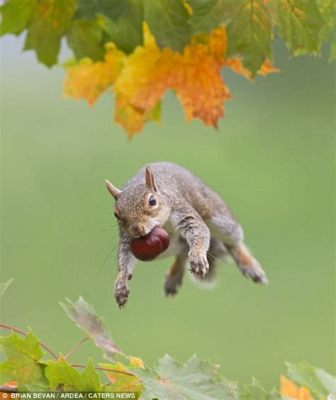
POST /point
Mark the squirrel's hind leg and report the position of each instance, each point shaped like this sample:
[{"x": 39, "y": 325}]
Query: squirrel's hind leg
[
  {"x": 232, "y": 236},
  {"x": 175, "y": 275}
]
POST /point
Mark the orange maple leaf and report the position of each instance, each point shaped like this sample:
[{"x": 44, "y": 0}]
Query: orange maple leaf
[
  {"x": 199, "y": 84},
  {"x": 237, "y": 66},
  {"x": 194, "y": 75},
  {"x": 291, "y": 391}
]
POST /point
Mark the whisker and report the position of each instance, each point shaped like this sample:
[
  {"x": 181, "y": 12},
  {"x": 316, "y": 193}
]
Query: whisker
[{"x": 215, "y": 258}]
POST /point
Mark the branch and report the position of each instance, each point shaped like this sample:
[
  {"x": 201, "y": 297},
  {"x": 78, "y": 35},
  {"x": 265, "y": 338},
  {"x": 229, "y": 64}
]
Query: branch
[
  {"x": 76, "y": 347},
  {"x": 104, "y": 369}
]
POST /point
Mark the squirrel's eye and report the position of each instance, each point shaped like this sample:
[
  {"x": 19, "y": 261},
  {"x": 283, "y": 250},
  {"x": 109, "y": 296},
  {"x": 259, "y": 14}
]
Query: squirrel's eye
[
  {"x": 152, "y": 201},
  {"x": 116, "y": 215}
]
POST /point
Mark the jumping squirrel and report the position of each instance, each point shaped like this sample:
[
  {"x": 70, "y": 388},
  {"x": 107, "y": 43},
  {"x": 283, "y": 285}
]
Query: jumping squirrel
[{"x": 201, "y": 227}]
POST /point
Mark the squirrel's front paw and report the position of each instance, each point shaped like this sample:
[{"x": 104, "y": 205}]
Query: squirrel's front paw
[
  {"x": 198, "y": 264},
  {"x": 121, "y": 293}
]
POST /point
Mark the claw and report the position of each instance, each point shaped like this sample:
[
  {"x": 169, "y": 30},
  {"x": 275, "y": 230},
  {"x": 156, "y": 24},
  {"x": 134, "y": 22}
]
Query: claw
[
  {"x": 199, "y": 264},
  {"x": 121, "y": 294}
]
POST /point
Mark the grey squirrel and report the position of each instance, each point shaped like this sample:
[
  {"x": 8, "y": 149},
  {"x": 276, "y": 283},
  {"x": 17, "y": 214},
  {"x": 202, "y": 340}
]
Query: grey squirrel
[{"x": 201, "y": 227}]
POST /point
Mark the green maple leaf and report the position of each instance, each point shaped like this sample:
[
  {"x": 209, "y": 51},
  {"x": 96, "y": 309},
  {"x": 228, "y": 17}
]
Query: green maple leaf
[
  {"x": 208, "y": 15},
  {"x": 256, "y": 392},
  {"x": 86, "y": 319},
  {"x": 328, "y": 31},
  {"x": 300, "y": 23},
  {"x": 250, "y": 33},
  {"x": 193, "y": 380},
  {"x": 49, "y": 22},
  {"x": 123, "y": 21},
  {"x": 23, "y": 362},
  {"x": 168, "y": 20},
  {"x": 15, "y": 15},
  {"x": 120, "y": 20},
  {"x": 85, "y": 37},
  {"x": 61, "y": 374}
]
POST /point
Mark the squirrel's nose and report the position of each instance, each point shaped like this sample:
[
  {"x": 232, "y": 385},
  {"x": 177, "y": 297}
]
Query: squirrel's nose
[{"x": 137, "y": 230}]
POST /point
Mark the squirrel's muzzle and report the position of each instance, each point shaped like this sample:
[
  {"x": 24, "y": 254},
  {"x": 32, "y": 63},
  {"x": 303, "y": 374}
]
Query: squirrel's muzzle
[{"x": 137, "y": 230}]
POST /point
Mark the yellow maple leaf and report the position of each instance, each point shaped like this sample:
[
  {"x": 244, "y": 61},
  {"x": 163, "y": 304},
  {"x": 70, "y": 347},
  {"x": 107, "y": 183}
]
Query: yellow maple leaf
[
  {"x": 291, "y": 391},
  {"x": 142, "y": 83},
  {"x": 88, "y": 80},
  {"x": 121, "y": 378}
]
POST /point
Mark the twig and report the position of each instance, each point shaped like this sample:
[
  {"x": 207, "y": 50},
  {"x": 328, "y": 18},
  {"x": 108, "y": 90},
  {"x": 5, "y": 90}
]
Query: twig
[
  {"x": 12, "y": 328},
  {"x": 104, "y": 369},
  {"x": 76, "y": 347}
]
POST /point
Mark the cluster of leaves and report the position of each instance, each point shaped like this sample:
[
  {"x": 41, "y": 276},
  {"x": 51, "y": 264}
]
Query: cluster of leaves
[
  {"x": 26, "y": 368},
  {"x": 143, "y": 48}
]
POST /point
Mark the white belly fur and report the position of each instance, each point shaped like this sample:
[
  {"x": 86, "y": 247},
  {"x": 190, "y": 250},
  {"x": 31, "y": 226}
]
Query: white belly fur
[{"x": 174, "y": 242}]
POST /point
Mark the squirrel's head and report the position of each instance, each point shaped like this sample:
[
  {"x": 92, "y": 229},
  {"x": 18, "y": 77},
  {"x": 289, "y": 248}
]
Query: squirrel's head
[{"x": 139, "y": 208}]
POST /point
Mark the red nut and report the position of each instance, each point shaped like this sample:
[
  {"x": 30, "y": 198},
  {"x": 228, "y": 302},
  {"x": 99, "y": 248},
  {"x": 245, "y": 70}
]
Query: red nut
[{"x": 148, "y": 247}]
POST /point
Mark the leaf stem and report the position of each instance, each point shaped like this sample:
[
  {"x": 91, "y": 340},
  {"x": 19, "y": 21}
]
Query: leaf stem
[
  {"x": 12, "y": 328},
  {"x": 76, "y": 347},
  {"x": 104, "y": 369}
]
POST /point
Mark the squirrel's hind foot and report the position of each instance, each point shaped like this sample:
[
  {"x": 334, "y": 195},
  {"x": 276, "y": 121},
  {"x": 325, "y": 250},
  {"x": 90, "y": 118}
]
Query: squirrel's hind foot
[
  {"x": 254, "y": 272},
  {"x": 171, "y": 285},
  {"x": 174, "y": 277},
  {"x": 247, "y": 264}
]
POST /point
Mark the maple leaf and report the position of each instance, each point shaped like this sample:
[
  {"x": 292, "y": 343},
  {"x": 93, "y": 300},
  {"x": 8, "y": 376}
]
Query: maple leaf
[
  {"x": 237, "y": 66},
  {"x": 16, "y": 15},
  {"x": 22, "y": 362},
  {"x": 61, "y": 373},
  {"x": 250, "y": 33},
  {"x": 194, "y": 380},
  {"x": 86, "y": 319},
  {"x": 300, "y": 23},
  {"x": 319, "y": 383},
  {"x": 194, "y": 75},
  {"x": 88, "y": 79},
  {"x": 49, "y": 22},
  {"x": 292, "y": 391},
  {"x": 142, "y": 78},
  {"x": 121, "y": 378},
  {"x": 255, "y": 391},
  {"x": 199, "y": 84}
]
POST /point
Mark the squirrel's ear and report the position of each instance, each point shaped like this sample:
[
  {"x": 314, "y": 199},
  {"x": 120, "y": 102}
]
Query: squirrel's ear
[
  {"x": 150, "y": 182},
  {"x": 112, "y": 189}
]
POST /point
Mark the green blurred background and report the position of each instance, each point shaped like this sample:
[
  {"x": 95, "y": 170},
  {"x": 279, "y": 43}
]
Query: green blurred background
[{"x": 271, "y": 159}]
